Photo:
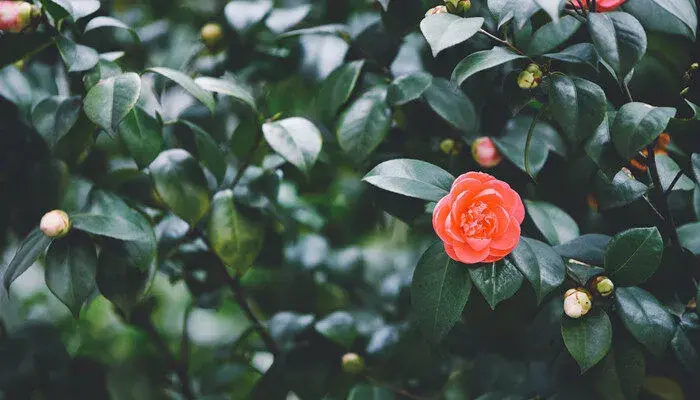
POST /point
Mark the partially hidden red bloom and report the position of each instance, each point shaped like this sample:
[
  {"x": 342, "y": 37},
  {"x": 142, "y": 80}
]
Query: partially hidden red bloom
[
  {"x": 479, "y": 220},
  {"x": 601, "y": 5},
  {"x": 14, "y": 15}
]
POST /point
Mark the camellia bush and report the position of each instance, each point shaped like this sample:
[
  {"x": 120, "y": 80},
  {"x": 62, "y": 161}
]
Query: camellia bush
[{"x": 392, "y": 199}]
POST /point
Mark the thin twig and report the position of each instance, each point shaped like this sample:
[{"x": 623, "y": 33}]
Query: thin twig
[
  {"x": 502, "y": 41},
  {"x": 673, "y": 182}
]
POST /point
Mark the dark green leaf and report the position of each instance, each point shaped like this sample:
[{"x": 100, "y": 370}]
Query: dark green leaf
[
  {"x": 281, "y": 19},
  {"x": 622, "y": 371},
  {"x": 555, "y": 224},
  {"x": 22, "y": 45},
  {"x": 337, "y": 88},
  {"x": 578, "y": 105},
  {"x": 481, "y": 61},
  {"x": 242, "y": 15},
  {"x": 208, "y": 151},
  {"x": 633, "y": 256},
  {"x": 645, "y": 318},
  {"x": 227, "y": 87},
  {"x": 412, "y": 178},
  {"x": 636, "y": 125},
  {"x": 623, "y": 190},
  {"x": 449, "y": 102},
  {"x": 600, "y": 149},
  {"x": 76, "y": 56},
  {"x": 582, "y": 273},
  {"x": 407, "y": 88},
  {"x": 330, "y": 29},
  {"x": 296, "y": 139},
  {"x": 620, "y": 40},
  {"x": 125, "y": 271},
  {"x": 234, "y": 238},
  {"x": 181, "y": 184},
  {"x": 367, "y": 392},
  {"x": 111, "y": 99},
  {"x": 363, "y": 126},
  {"x": 685, "y": 351},
  {"x": 553, "y": 34},
  {"x": 114, "y": 225},
  {"x": 71, "y": 265},
  {"x": 285, "y": 326},
  {"x": 496, "y": 281},
  {"x": 439, "y": 291},
  {"x": 188, "y": 84},
  {"x": 54, "y": 117},
  {"x": 695, "y": 162},
  {"x": 338, "y": 327},
  {"x": 545, "y": 139},
  {"x": 109, "y": 22},
  {"x": 31, "y": 248},
  {"x": 580, "y": 53},
  {"x": 677, "y": 17},
  {"x": 588, "y": 248},
  {"x": 446, "y": 30},
  {"x": 552, "y": 7},
  {"x": 540, "y": 264},
  {"x": 668, "y": 170},
  {"x": 141, "y": 134},
  {"x": 588, "y": 338},
  {"x": 15, "y": 87},
  {"x": 690, "y": 236}
]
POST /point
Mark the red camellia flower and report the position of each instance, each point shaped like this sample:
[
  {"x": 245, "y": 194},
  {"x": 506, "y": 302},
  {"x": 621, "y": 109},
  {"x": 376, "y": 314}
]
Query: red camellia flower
[
  {"x": 479, "y": 220},
  {"x": 602, "y": 5}
]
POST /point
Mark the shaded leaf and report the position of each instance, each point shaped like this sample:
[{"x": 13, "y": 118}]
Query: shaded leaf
[{"x": 412, "y": 178}]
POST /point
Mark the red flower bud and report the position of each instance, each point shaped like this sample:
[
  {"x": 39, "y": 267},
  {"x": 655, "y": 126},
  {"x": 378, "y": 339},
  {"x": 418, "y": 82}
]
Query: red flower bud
[
  {"x": 15, "y": 15},
  {"x": 485, "y": 152}
]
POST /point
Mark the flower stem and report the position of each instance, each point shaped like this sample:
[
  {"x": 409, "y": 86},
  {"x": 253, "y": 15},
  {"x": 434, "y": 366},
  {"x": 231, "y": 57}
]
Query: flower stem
[{"x": 502, "y": 41}]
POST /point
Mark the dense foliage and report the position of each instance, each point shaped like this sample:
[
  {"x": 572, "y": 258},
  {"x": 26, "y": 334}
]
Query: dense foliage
[{"x": 202, "y": 199}]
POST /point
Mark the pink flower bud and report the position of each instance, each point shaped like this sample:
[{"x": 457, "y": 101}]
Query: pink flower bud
[
  {"x": 436, "y": 10},
  {"x": 485, "y": 152},
  {"x": 55, "y": 224},
  {"x": 15, "y": 15},
  {"x": 577, "y": 302}
]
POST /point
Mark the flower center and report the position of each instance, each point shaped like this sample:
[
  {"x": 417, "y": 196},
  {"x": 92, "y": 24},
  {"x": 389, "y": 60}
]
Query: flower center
[{"x": 478, "y": 221}]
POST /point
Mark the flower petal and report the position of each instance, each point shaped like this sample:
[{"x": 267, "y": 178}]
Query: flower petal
[
  {"x": 440, "y": 214},
  {"x": 477, "y": 243},
  {"x": 509, "y": 239},
  {"x": 468, "y": 255},
  {"x": 511, "y": 200}
]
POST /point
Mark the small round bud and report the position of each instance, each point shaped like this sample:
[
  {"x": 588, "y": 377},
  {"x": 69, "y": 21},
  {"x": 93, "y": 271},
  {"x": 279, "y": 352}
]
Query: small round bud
[
  {"x": 15, "y": 16},
  {"x": 458, "y": 6},
  {"x": 485, "y": 152},
  {"x": 694, "y": 66},
  {"x": 55, "y": 224},
  {"x": 353, "y": 363},
  {"x": 577, "y": 302},
  {"x": 684, "y": 91},
  {"x": 211, "y": 35},
  {"x": 436, "y": 10},
  {"x": 603, "y": 286},
  {"x": 449, "y": 147},
  {"x": 692, "y": 305}
]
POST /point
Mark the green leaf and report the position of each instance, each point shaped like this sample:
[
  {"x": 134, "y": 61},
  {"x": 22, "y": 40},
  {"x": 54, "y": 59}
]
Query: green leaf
[
  {"x": 296, "y": 139},
  {"x": 580, "y": 53},
  {"x": 76, "y": 56},
  {"x": 496, "y": 281},
  {"x": 695, "y": 163},
  {"x": 337, "y": 88},
  {"x": 668, "y": 170},
  {"x": 552, "y": 7},
  {"x": 189, "y": 85},
  {"x": 109, "y": 22},
  {"x": 446, "y": 30},
  {"x": 582, "y": 273},
  {"x": 545, "y": 139},
  {"x": 637, "y": 125},
  {"x": 589, "y": 248},
  {"x": 339, "y": 327},
  {"x": 208, "y": 151},
  {"x": 71, "y": 265},
  {"x": 540, "y": 264},
  {"x": 54, "y": 117},
  {"x": 181, "y": 184},
  {"x": 481, "y": 61},
  {"x": 329, "y": 29},
  {"x": 236, "y": 239},
  {"x": 31, "y": 248},
  {"x": 242, "y": 15},
  {"x": 645, "y": 318},
  {"x": 449, "y": 102},
  {"x": 520, "y": 10},
  {"x": 141, "y": 134},
  {"x": 685, "y": 351},
  {"x": 556, "y": 225},
  {"x": 588, "y": 338},
  {"x": 620, "y": 40},
  {"x": 677, "y": 17},
  {"x": 364, "y": 125},
  {"x": 367, "y": 392},
  {"x": 622, "y": 371},
  {"x": 412, "y": 178},
  {"x": 114, "y": 225},
  {"x": 15, "y": 87},
  {"x": 577, "y": 105},
  {"x": 407, "y": 88},
  {"x": 227, "y": 87},
  {"x": 633, "y": 256},
  {"x": 111, "y": 99},
  {"x": 77, "y": 9},
  {"x": 689, "y": 235},
  {"x": 18, "y": 46},
  {"x": 439, "y": 291},
  {"x": 281, "y": 19},
  {"x": 600, "y": 149},
  {"x": 552, "y": 35},
  {"x": 621, "y": 191}
]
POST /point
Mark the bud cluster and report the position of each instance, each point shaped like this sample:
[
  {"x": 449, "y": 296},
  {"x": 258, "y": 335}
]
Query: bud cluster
[{"x": 530, "y": 77}]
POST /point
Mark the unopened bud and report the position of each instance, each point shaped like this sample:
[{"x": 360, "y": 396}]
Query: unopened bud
[
  {"x": 449, "y": 147},
  {"x": 15, "y": 16},
  {"x": 485, "y": 152},
  {"x": 436, "y": 10},
  {"x": 458, "y": 6},
  {"x": 353, "y": 363},
  {"x": 211, "y": 35},
  {"x": 55, "y": 224},
  {"x": 603, "y": 286},
  {"x": 531, "y": 77},
  {"x": 577, "y": 302},
  {"x": 694, "y": 66}
]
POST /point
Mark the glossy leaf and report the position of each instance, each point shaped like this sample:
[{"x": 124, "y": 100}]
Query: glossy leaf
[
  {"x": 339, "y": 327},
  {"x": 364, "y": 124},
  {"x": 109, "y": 22},
  {"x": 446, "y": 30},
  {"x": 367, "y": 392},
  {"x": 481, "y": 61},
  {"x": 54, "y": 117},
  {"x": 141, "y": 134},
  {"x": 636, "y": 125},
  {"x": 588, "y": 338},
  {"x": 242, "y": 15},
  {"x": 689, "y": 235},
  {"x": 588, "y": 248},
  {"x": 645, "y": 318},
  {"x": 668, "y": 170},
  {"x": 620, "y": 374},
  {"x": 545, "y": 139},
  {"x": 553, "y": 34},
  {"x": 181, "y": 184},
  {"x": 71, "y": 265},
  {"x": 209, "y": 152},
  {"x": 578, "y": 105},
  {"x": 619, "y": 39},
  {"x": 580, "y": 53},
  {"x": 439, "y": 291},
  {"x": 407, "y": 88},
  {"x": 337, "y": 88},
  {"x": 413, "y": 178},
  {"x": 555, "y": 224},
  {"x": 677, "y": 17},
  {"x": 633, "y": 256},
  {"x": 450, "y": 103},
  {"x": 296, "y": 139},
  {"x": 187, "y": 83},
  {"x": 540, "y": 264},
  {"x": 76, "y": 56},
  {"x": 227, "y": 87},
  {"x": 111, "y": 99},
  {"x": 496, "y": 281},
  {"x": 31, "y": 248},
  {"x": 622, "y": 190}
]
